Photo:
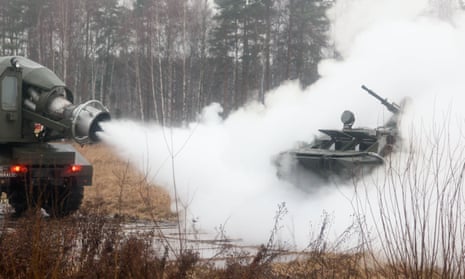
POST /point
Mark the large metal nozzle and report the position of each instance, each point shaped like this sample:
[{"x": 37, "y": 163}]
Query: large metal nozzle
[
  {"x": 86, "y": 119},
  {"x": 55, "y": 109}
]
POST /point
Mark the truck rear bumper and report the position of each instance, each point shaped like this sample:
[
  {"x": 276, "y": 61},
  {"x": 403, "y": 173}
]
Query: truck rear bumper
[{"x": 45, "y": 164}]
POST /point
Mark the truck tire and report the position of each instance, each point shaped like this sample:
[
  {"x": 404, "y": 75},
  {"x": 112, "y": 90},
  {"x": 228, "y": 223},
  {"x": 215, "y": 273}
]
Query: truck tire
[
  {"x": 23, "y": 198},
  {"x": 17, "y": 198},
  {"x": 64, "y": 200}
]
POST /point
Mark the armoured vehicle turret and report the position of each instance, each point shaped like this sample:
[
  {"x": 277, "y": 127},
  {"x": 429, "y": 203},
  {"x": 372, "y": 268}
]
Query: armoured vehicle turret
[
  {"x": 346, "y": 153},
  {"x": 37, "y": 168}
]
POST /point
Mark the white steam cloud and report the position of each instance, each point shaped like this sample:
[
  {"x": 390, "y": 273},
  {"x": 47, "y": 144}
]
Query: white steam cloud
[{"x": 223, "y": 167}]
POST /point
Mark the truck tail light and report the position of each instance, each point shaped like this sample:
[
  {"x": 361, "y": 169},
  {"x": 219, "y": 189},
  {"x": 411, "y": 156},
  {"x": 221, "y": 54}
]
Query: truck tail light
[
  {"x": 18, "y": 169},
  {"x": 75, "y": 168}
]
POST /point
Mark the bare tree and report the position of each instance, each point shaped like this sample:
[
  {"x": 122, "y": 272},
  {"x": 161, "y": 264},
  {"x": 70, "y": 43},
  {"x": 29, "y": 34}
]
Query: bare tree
[{"x": 415, "y": 226}]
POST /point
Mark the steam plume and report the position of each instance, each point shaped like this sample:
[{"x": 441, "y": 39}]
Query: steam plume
[{"x": 223, "y": 167}]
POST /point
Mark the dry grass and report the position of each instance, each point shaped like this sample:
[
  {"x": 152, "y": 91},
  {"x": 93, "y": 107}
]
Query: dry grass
[
  {"x": 119, "y": 190},
  {"x": 328, "y": 265},
  {"x": 92, "y": 246}
]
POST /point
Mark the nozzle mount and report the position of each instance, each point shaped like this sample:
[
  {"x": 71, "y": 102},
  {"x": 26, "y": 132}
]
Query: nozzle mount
[{"x": 86, "y": 119}]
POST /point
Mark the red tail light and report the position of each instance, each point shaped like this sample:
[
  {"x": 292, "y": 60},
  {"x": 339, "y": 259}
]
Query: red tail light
[
  {"x": 75, "y": 168},
  {"x": 18, "y": 169}
]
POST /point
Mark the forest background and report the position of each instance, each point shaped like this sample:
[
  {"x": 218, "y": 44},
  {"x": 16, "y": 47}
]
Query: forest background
[{"x": 164, "y": 60}]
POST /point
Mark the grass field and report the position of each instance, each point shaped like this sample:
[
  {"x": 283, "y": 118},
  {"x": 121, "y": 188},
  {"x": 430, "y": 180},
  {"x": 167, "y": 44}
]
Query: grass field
[
  {"x": 410, "y": 251},
  {"x": 94, "y": 243},
  {"x": 119, "y": 190}
]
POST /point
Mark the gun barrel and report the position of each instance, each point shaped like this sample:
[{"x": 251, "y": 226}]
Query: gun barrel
[
  {"x": 372, "y": 93},
  {"x": 392, "y": 107}
]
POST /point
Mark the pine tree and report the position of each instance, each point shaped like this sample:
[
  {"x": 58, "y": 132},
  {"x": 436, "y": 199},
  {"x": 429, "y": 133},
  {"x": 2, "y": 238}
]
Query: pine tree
[
  {"x": 304, "y": 38},
  {"x": 226, "y": 49}
]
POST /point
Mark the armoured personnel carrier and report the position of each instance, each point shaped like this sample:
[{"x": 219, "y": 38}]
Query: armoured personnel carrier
[
  {"x": 36, "y": 112},
  {"x": 344, "y": 153}
]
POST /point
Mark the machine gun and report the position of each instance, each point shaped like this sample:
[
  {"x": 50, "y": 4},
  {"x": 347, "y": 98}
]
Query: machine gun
[
  {"x": 37, "y": 108},
  {"x": 392, "y": 107}
]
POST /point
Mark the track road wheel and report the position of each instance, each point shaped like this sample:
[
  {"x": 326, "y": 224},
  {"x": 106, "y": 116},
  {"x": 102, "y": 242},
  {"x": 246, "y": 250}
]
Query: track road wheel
[{"x": 64, "y": 200}]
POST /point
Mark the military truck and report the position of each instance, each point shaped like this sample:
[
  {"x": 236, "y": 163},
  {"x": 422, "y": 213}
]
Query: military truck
[
  {"x": 37, "y": 167},
  {"x": 346, "y": 153}
]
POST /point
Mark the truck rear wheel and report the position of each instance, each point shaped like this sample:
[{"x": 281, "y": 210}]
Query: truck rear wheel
[
  {"x": 23, "y": 198},
  {"x": 17, "y": 198},
  {"x": 64, "y": 200},
  {"x": 57, "y": 200}
]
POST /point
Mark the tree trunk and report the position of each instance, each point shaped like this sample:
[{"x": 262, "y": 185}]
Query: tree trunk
[
  {"x": 160, "y": 69},
  {"x": 289, "y": 40},
  {"x": 267, "y": 85},
  {"x": 184, "y": 72},
  {"x": 138, "y": 86}
]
